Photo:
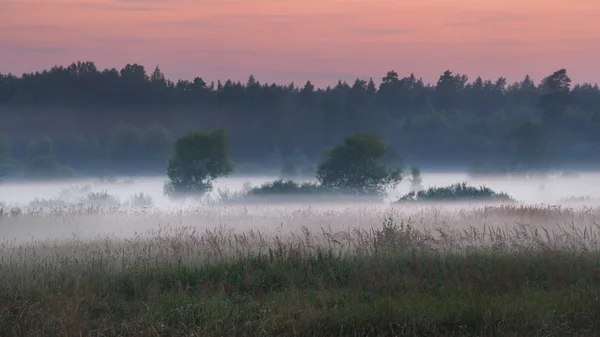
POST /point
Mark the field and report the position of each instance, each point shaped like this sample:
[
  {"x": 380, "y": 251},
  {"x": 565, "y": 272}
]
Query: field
[{"x": 301, "y": 270}]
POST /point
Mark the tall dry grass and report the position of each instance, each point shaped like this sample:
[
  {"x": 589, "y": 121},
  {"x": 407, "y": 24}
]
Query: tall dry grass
[{"x": 302, "y": 270}]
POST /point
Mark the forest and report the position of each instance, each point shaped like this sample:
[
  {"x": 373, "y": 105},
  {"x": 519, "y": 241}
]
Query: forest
[{"x": 78, "y": 120}]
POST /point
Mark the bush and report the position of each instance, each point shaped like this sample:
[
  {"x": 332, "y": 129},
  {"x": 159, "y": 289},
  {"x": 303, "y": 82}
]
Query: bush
[
  {"x": 225, "y": 195},
  {"x": 456, "y": 192},
  {"x": 141, "y": 200},
  {"x": 101, "y": 198},
  {"x": 289, "y": 187},
  {"x": 47, "y": 203}
]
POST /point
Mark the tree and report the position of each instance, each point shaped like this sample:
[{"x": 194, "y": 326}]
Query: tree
[
  {"x": 156, "y": 144},
  {"x": 556, "y": 90},
  {"x": 200, "y": 158},
  {"x": 532, "y": 147},
  {"x": 42, "y": 160},
  {"x": 357, "y": 166},
  {"x": 123, "y": 146}
]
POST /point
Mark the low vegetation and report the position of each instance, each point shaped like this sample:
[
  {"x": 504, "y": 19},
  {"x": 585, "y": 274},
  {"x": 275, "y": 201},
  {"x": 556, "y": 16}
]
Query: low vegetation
[
  {"x": 141, "y": 200},
  {"x": 394, "y": 279},
  {"x": 102, "y": 198},
  {"x": 289, "y": 187},
  {"x": 456, "y": 192}
]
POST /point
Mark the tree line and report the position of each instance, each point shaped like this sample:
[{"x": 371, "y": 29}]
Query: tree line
[{"x": 80, "y": 117}]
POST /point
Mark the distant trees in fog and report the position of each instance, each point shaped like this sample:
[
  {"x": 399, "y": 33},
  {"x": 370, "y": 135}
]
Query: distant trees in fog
[{"x": 128, "y": 119}]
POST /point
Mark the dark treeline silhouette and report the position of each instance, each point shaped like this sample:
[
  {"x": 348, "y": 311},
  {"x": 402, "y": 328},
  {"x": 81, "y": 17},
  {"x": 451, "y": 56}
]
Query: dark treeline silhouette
[{"x": 128, "y": 119}]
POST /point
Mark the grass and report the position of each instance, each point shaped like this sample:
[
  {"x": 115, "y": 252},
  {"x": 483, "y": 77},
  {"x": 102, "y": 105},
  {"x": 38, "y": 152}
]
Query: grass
[{"x": 416, "y": 271}]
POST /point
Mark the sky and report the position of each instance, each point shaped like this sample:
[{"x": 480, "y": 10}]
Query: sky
[{"x": 323, "y": 41}]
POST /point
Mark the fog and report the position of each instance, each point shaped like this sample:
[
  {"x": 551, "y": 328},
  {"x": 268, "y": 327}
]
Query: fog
[
  {"x": 274, "y": 219},
  {"x": 530, "y": 191}
]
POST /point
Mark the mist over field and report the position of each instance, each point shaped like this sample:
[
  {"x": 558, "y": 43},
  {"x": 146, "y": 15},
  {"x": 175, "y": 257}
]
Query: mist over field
[
  {"x": 52, "y": 206},
  {"x": 527, "y": 190},
  {"x": 134, "y": 205}
]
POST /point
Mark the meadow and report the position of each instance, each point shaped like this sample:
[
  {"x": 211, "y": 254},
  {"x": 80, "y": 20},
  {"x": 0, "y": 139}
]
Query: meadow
[{"x": 132, "y": 267}]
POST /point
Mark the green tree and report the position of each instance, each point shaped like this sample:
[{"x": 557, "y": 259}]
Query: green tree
[
  {"x": 200, "y": 158},
  {"x": 42, "y": 160},
  {"x": 124, "y": 143},
  {"x": 532, "y": 147},
  {"x": 556, "y": 95},
  {"x": 357, "y": 166},
  {"x": 5, "y": 154},
  {"x": 156, "y": 143}
]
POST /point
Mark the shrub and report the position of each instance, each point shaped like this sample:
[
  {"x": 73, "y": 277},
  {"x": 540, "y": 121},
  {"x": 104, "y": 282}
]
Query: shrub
[
  {"x": 289, "y": 187},
  {"x": 575, "y": 199},
  {"x": 141, "y": 199},
  {"x": 101, "y": 198},
  {"x": 225, "y": 195},
  {"x": 106, "y": 180},
  {"x": 456, "y": 192},
  {"x": 47, "y": 203}
]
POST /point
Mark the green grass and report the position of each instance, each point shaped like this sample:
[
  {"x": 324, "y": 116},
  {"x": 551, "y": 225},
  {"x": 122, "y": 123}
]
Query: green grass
[
  {"x": 323, "y": 295},
  {"x": 390, "y": 281}
]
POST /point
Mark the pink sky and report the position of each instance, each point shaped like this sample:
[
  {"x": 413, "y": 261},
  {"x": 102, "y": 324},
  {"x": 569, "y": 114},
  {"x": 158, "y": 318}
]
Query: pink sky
[{"x": 298, "y": 40}]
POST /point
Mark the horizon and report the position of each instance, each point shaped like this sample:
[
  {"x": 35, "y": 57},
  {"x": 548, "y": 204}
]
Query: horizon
[
  {"x": 376, "y": 80},
  {"x": 323, "y": 42}
]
